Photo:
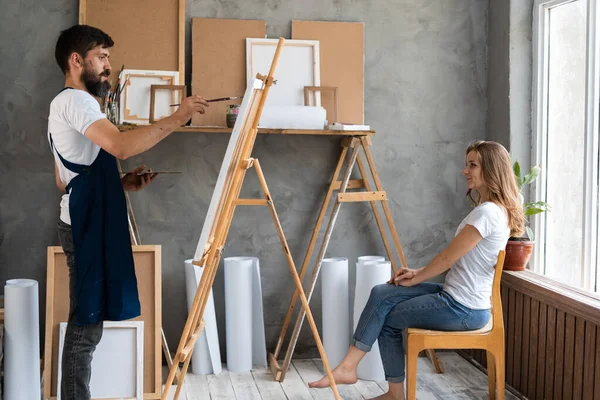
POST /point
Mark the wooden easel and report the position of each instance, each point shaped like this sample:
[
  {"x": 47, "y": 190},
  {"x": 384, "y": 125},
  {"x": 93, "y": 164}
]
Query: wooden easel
[
  {"x": 240, "y": 163},
  {"x": 134, "y": 233},
  {"x": 352, "y": 145}
]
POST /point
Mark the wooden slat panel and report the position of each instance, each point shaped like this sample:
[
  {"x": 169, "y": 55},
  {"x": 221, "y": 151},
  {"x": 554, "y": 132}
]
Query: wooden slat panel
[
  {"x": 504, "y": 297},
  {"x": 588, "y": 363},
  {"x": 533, "y": 347},
  {"x": 559, "y": 354},
  {"x": 568, "y": 363},
  {"x": 510, "y": 343},
  {"x": 541, "y": 359},
  {"x": 578, "y": 365},
  {"x": 518, "y": 336},
  {"x": 550, "y": 353},
  {"x": 597, "y": 368},
  {"x": 525, "y": 344}
]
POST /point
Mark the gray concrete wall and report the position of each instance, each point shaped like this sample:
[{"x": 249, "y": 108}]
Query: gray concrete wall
[
  {"x": 425, "y": 94},
  {"x": 509, "y": 76}
]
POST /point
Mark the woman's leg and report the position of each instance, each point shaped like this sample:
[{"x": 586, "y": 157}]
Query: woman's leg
[
  {"x": 382, "y": 300},
  {"x": 435, "y": 311}
]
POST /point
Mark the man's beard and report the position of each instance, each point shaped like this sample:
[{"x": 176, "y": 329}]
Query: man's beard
[{"x": 94, "y": 84}]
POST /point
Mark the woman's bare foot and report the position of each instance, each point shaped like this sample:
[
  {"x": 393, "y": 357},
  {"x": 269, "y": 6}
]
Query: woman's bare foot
[
  {"x": 387, "y": 396},
  {"x": 341, "y": 375}
]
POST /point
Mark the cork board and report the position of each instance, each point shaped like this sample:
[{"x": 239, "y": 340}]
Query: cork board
[
  {"x": 148, "y": 34},
  {"x": 147, "y": 261},
  {"x": 342, "y": 47},
  {"x": 219, "y": 62}
]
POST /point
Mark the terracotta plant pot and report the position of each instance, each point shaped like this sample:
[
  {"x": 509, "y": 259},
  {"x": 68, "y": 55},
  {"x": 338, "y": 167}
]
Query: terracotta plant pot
[{"x": 517, "y": 255}]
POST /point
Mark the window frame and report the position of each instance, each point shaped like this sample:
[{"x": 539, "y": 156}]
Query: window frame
[{"x": 590, "y": 279}]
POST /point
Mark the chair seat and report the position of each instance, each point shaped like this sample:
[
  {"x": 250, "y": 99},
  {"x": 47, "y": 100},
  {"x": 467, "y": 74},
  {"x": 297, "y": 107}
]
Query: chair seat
[{"x": 485, "y": 329}]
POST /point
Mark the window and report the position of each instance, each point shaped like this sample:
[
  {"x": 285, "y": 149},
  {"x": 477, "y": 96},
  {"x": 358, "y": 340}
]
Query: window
[{"x": 565, "y": 140}]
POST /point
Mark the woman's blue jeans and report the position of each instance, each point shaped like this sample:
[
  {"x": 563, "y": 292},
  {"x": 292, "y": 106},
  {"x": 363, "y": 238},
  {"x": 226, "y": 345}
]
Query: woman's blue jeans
[{"x": 391, "y": 309}]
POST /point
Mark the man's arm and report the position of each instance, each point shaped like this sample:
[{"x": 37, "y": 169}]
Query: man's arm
[
  {"x": 59, "y": 183},
  {"x": 130, "y": 143}
]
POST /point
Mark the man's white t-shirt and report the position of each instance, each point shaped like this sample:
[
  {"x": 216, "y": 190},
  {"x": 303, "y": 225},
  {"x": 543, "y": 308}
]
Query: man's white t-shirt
[
  {"x": 469, "y": 281},
  {"x": 71, "y": 113}
]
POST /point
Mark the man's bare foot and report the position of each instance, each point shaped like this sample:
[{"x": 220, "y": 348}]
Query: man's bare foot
[{"x": 341, "y": 375}]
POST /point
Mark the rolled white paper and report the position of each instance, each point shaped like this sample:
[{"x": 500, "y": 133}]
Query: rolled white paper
[
  {"x": 336, "y": 309},
  {"x": 259, "y": 343},
  {"x": 238, "y": 313},
  {"x": 293, "y": 117},
  {"x": 21, "y": 340},
  {"x": 368, "y": 275},
  {"x": 206, "y": 358}
]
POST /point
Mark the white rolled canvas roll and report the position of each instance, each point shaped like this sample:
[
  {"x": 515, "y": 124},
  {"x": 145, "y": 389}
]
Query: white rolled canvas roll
[
  {"x": 238, "y": 313},
  {"x": 336, "y": 309},
  {"x": 370, "y": 272},
  {"x": 259, "y": 343},
  {"x": 206, "y": 358},
  {"x": 22, "y": 340},
  {"x": 293, "y": 117}
]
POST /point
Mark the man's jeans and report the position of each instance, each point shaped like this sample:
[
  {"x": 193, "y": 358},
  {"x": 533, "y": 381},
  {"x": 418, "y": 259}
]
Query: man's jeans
[
  {"x": 391, "y": 309},
  {"x": 80, "y": 341}
]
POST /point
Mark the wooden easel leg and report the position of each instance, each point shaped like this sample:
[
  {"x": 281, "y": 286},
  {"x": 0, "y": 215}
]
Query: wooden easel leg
[
  {"x": 317, "y": 268},
  {"x": 134, "y": 233},
  {"x": 311, "y": 245},
  {"x": 303, "y": 299},
  {"x": 193, "y": 326},
  {"x": 386, "y": 243},
  {"x": 366, "y": 141}
]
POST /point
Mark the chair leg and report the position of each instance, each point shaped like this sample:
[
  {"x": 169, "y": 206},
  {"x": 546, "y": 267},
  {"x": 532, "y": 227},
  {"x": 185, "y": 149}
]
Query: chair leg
[
  {"x": 499, "y": 365},
  {"x": 437, "y": 364},
  {"x": 491, "y": 371},
  {"x": 411, "y": 372}
]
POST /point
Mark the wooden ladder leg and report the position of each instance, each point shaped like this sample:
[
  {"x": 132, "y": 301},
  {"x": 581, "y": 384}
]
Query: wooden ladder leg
[
  {"x": 303, "y": 298},
  {"x": 313, "y": 281},
  {"x": 308, "y": 256}
]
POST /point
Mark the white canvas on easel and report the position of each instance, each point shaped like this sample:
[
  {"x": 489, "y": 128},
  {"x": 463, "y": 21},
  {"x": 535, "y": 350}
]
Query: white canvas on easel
[
  {"x": 298, "y": 66},
  {"x": 204, "y": 240},
  {"x": 135, "y": 97},
  {"x": 114, "y": 377}
]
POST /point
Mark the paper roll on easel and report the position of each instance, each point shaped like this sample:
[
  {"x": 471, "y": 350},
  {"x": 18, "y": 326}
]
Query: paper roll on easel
[
  {"x": 368, "y": 275},
  {"x": 21, "y": 340},
  {"x": 206, "y": 358},
  {"x": 336, "y": 309},
  {"x": 245, "y": 328}
]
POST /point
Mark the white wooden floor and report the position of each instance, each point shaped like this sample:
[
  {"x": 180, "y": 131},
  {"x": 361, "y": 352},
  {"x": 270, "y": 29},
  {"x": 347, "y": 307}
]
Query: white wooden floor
[{"x": 461, "y": 380}]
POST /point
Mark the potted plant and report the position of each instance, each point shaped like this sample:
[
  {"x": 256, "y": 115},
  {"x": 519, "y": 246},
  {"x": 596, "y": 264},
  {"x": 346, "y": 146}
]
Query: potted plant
[{"x": 518, "y": 249}]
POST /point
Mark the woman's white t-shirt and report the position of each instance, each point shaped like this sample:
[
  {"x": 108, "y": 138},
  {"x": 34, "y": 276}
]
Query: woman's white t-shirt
[
  {"x": 469, "y": 281},
  {"x": 71, "y": 113}
]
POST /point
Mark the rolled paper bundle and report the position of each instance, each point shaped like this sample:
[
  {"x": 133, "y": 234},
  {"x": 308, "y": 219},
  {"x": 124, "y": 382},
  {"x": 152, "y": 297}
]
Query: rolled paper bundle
[
  {"x": 336, "y": 309},
  {"x": 368, "y": 275},
  {"x": 21, "y": 340}
]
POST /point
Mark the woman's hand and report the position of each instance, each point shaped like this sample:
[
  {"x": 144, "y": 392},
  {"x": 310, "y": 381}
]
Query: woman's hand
[{"x": 403, "y": 277}]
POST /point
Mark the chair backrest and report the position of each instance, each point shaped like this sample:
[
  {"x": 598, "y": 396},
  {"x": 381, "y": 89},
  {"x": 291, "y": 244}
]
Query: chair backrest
[{"x": 496, "y": 300}]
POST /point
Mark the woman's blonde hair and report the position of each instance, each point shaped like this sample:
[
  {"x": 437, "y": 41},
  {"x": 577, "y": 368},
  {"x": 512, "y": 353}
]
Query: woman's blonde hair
[{"x": 496, "y": 169}]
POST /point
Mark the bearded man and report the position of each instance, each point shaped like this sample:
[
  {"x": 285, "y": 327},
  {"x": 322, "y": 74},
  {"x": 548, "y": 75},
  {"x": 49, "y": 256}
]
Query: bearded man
[{"x": 93, "y": 227}]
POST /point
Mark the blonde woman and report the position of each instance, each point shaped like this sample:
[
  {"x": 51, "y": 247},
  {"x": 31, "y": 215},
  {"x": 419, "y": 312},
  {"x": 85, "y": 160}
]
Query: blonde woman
[{"x": 463, "y": 301}]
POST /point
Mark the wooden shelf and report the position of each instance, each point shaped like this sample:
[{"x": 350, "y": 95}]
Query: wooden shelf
[{"x": 202, "y": 129}]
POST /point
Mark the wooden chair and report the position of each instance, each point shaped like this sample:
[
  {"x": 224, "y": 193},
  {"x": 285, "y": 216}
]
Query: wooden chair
[{"x": 489, "y": 338}]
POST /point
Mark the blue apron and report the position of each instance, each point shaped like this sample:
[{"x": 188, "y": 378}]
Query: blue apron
[{"x": 105, "y": 273}]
